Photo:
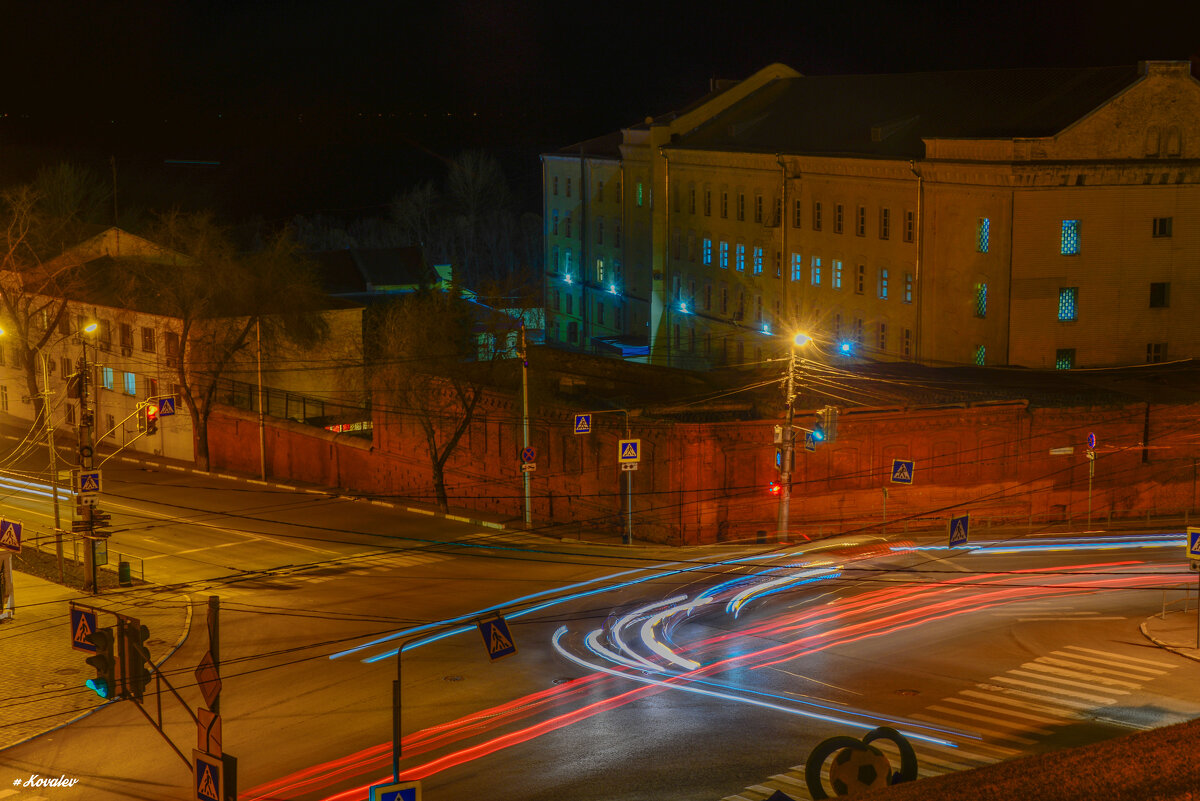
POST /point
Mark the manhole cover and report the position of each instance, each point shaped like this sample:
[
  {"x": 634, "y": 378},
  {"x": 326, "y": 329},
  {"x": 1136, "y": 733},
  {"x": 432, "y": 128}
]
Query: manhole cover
[
  {"x": 453, "y": 678},
  {"x": 908, "y": 691},
  {"x": 991, "y": 688},
  {"x": 54, "y": 685},
  {"x": 66, "y": 671},
  {"x": 156, "y": 642},
  {"x": 563, "y": 681}
]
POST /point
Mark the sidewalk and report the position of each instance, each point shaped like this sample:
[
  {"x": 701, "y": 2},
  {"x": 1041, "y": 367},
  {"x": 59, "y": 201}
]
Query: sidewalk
[
  {"x": 1176, "y": 631},
  {"x": 44, "y": 676}
]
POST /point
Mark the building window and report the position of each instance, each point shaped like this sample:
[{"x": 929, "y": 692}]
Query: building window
[
  {"x": 860, "y": 224},
  {"x": 1162, "y": 226},
  {"x": 126, "y": 331},
  {"x": 981, "y": 300},
  {"x": 1064, "y": 358},
  {"x": 570, "y": 303},
  {"x": 816, "y": 215},
  {"x": 858, "y": 330},
  {"x": 908, "y": 287},
  {"x": 707, "y": 202},
  {"x": 837, "y": 274},
  {"x": 692, "y": 200},
  {"x": 171, "y": 342},
  {"x": 556, "y": 303},
  {"x": 617, "y": 234},
  {"x": 568, "y": 187},
  {"x": 838, "y": 218},
  {"x": 724, "y": 300},
  {"x": 860, "y": 279},
  {"x": 797, "y": 267},
  {"x": 1156, "y": 352},
  {"x": 758, "y": 260},
  {"x": 1067, "y": 297},
  {"x": 600, "y": 191},
  {"x": 151, "y": 387},
  {"x": 910, "y": 226},
  {"x": 1160, "y": 295},
  {"x": 885, "y": 223},
  {"x": 572, "y": 332},
  {"x": 708, "y": 297},
  {"x": 741, "y": 206},
  {"x": 883, "y": 283},
  {"x": 106, "y": 377},
  {"x": 600, "y": 236},
  {"x": 816, "y": 271},
  {"x": 778, "y": 264},
  {"x": 739, "y": 253},
  {"x": 554, "y": 222},
  {"x": 639, "y": 193},
  {"x": 567, "y": 261},
  {"x": 66, "y": 368},
  {"x": 707, "y": 251},
  {"x": 1070, "y": 238},
  {"x": 758, "y": 309},
  {"x": 837, "y": 326},
  {"x": 147, "y": 339},
  {"x": 724, "y": 205},
  {"x": 983, "y": 230},
  {"x": 758, "y": 208},
  {"x": 554, "y": 185},
  {"x": 980, "y": 355},
  {"x": 724, "y": 255},
  {"x": 3, "y": 398},
  {"x": 882, "y": 337},
  {"x": 599, "y": 313},
  {"x": 797, "y": 213},
  {"x": 906, "y": 343},
  {"x": 70, "y": 410}
]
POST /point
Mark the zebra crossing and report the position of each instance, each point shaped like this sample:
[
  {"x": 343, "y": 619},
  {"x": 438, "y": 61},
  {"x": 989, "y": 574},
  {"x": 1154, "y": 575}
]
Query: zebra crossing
[
  {"x": 1008, "y": 713},
  {"x": 357, "y": 566}
]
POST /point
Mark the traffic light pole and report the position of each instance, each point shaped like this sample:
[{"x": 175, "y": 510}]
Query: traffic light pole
[
  {"x": 58, "y": 541},
  {"x": 87, "y": 449},
  {"x": 789, "y": 439},
  {"x": 525, "y": 426}
]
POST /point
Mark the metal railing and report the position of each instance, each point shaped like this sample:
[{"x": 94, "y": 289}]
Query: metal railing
[{"x": 73, "y": 545}]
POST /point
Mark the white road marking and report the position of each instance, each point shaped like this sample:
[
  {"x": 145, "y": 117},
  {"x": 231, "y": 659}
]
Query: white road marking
[
  {"x": 1121, "y": 657},
  {"x": 1060, "y": 671},
  {"x": 1010, "y": 712},
  {"x": 1054, "y": 690},
  {"x": 999, "y": 735}
]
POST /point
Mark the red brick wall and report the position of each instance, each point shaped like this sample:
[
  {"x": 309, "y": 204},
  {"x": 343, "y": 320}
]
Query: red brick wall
[{"x": 702, "y": 483}]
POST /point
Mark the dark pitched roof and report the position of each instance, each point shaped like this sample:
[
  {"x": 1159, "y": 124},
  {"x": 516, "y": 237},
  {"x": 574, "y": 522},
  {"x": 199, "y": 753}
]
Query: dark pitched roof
[
  {"x": 608, "y": 145},
  {"x": 358, "y": 272},
  {"x": 833, "y": 115}
]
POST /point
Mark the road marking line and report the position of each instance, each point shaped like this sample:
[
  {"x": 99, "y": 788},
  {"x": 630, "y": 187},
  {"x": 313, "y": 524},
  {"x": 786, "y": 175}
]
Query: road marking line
[
  {"x": 972, "y": 753},
  {"x": 1016, "y": 725},
  {"x": 999, "y": 735},
  {"x": 1075, "y": 706},
  {"x": 1154, "y": 672},
  {"x": 924, "y": 756},
  {"x": 1061, "y": 671},
  {"x": 1011, "y": 712},
  {"x": 1121, "y": 656},
  {"x": 1055, "y": 690},
  {"x": 1085, "y": 685},
  {"x": 1072, "y": 619},
  {"x": 1072, "y": 662}
]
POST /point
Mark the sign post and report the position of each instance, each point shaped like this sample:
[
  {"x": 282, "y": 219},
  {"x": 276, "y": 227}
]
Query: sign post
[{"x": 1193, "y": 552}]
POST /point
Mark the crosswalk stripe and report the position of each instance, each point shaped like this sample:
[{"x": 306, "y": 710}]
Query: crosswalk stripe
[
  {"x": 1015, "y": 702},
  {"x": 1151, "y": 673},
  {"x": 1070, "y": 682},
  {"x": 1080, "y": 705},
  {"x": 1010, "y": 712},
  {"x": 988, "y": 732},
  {"x": 1156, "y": 663},
  {"x": 1055, "y": 690},
  {"x": 923, "y": 756},
  {"x": 976, "y": 750},
  {"x": 962, "y": 713},
  {"x": 1073, "y": 663},
  {"x": 1039, "y": 666}
]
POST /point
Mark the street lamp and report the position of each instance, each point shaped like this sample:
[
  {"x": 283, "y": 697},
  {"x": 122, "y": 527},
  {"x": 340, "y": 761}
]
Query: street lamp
[{"x": 799, "y": 340}]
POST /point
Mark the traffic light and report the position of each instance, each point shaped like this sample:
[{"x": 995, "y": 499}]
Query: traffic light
[
  {"x": 152, "y": 419},
  {"x": 774, "y": 488},
  {"x": 137, "y": 659},
  {"x": 141, "y": 419},
  {"x": 105, "y": 662},
  {"x": 829, "y": 417}
]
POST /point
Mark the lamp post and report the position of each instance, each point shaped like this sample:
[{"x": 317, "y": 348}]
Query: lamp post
[
  {"x": 86, "y": 452},
  {"x": 789, "y": 438}
]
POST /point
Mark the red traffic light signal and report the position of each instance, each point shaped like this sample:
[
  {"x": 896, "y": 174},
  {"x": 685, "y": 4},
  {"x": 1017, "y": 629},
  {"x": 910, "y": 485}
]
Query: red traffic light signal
[
  {"x": 152, "y": 418},
  {"x": 774, "y": 488}
]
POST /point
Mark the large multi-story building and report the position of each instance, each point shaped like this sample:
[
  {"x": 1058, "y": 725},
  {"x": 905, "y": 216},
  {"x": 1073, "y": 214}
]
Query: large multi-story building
[{"x": 1037, "y": 217}]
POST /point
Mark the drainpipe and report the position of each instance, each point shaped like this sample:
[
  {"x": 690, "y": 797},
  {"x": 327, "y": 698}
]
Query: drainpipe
[{"x": 917, "y": 227}]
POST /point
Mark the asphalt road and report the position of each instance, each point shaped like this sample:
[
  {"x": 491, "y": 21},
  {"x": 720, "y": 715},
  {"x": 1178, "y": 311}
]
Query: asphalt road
[{"x": 936, "y": 643}]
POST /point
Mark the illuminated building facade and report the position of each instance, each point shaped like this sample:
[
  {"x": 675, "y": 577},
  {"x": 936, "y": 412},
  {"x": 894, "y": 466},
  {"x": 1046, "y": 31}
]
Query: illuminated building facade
[{"x": 1035, "y": 217}]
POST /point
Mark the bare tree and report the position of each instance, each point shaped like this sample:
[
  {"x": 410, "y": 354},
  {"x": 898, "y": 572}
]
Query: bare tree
[
  {"x": 431, "y": 361},
  {"x": 217, "y": 295}
]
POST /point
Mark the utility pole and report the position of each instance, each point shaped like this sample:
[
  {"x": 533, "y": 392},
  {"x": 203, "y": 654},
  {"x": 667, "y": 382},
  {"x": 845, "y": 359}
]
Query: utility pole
[
  {"x": 524, "y": 354},
  {"x": 262, "y": 424},
  {"x": 87, "y": 449},
  {"x": 789, "y": 436},
  {"x": 58, "y": 543}
]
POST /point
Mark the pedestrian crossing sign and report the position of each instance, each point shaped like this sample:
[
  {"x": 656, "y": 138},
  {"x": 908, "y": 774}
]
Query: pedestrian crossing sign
[
  {"x": 902, "y": 471},
  {"x": 83, "y": 625},
  {"x": 583, "y": 423},
  {"x": 166, "y": 406},
  {"x": 810, "y": 444},
  {"x": 629, "y": 451},
  {"x": 207, "y": 777},
  {"x": 958, "y": 530},
  {"x": 89, "y": 481},
  {"x": 496, "y": 637},
  {"x": 10, "y": 535},
  {"x": 1193, "y": 542},
  {"x": 396, "y": 791}
]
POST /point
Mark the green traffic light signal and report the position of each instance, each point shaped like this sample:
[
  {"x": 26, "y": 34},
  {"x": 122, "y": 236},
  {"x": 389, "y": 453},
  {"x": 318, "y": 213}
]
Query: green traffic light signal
[{"x": 104, "y": 684}]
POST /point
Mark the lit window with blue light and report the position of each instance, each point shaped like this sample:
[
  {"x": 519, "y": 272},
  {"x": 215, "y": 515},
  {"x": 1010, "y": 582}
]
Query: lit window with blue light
[
  {"x": 724, "y": 255},
  {"x": 1067, "y": 303},
  {"x": 980, "y": 355},
  {"x": 1070, "y": 238},
  {"x": 567, "y": 263},
  {"x": 707, "y": 254},
  {"x": 1064, "y": 358},
  {"x": 908, "y": 287},
  {"x": 758, "y": 260},
  {"x": 981, "y": 300},
  {"x": 740, "y": 257},
  {"x": 837, "y": 274},
  {"x": 983, "y": 234},
  {"x": 883, "y": 283},
  {"x": 816, "y": 271},
  {"x": 130, "y": 384},
  {"x": 797, "y": 267},
  {"x": 554, "y": 222}
]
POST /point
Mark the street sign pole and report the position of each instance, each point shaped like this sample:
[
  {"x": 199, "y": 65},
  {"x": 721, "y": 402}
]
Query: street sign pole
[
  {"x": 785, "y": 469},
  {"x": 525, "y": 427},
  {"x": 628, "y": 538}
]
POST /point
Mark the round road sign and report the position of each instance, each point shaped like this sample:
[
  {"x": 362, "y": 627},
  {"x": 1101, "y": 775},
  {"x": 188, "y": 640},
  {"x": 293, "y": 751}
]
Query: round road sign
[
  {"x": 528, "y": 454},
  {"x": 1091, "y": 440}
]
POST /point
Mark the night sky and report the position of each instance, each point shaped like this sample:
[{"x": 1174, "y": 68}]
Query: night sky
[{"x": 337, "y": 105}]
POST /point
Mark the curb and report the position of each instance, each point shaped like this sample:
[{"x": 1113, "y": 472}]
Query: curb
[{"x": 1166, "y": 646}]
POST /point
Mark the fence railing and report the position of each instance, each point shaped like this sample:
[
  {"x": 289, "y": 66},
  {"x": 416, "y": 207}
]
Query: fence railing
[{"x": 44, "y": 541}]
